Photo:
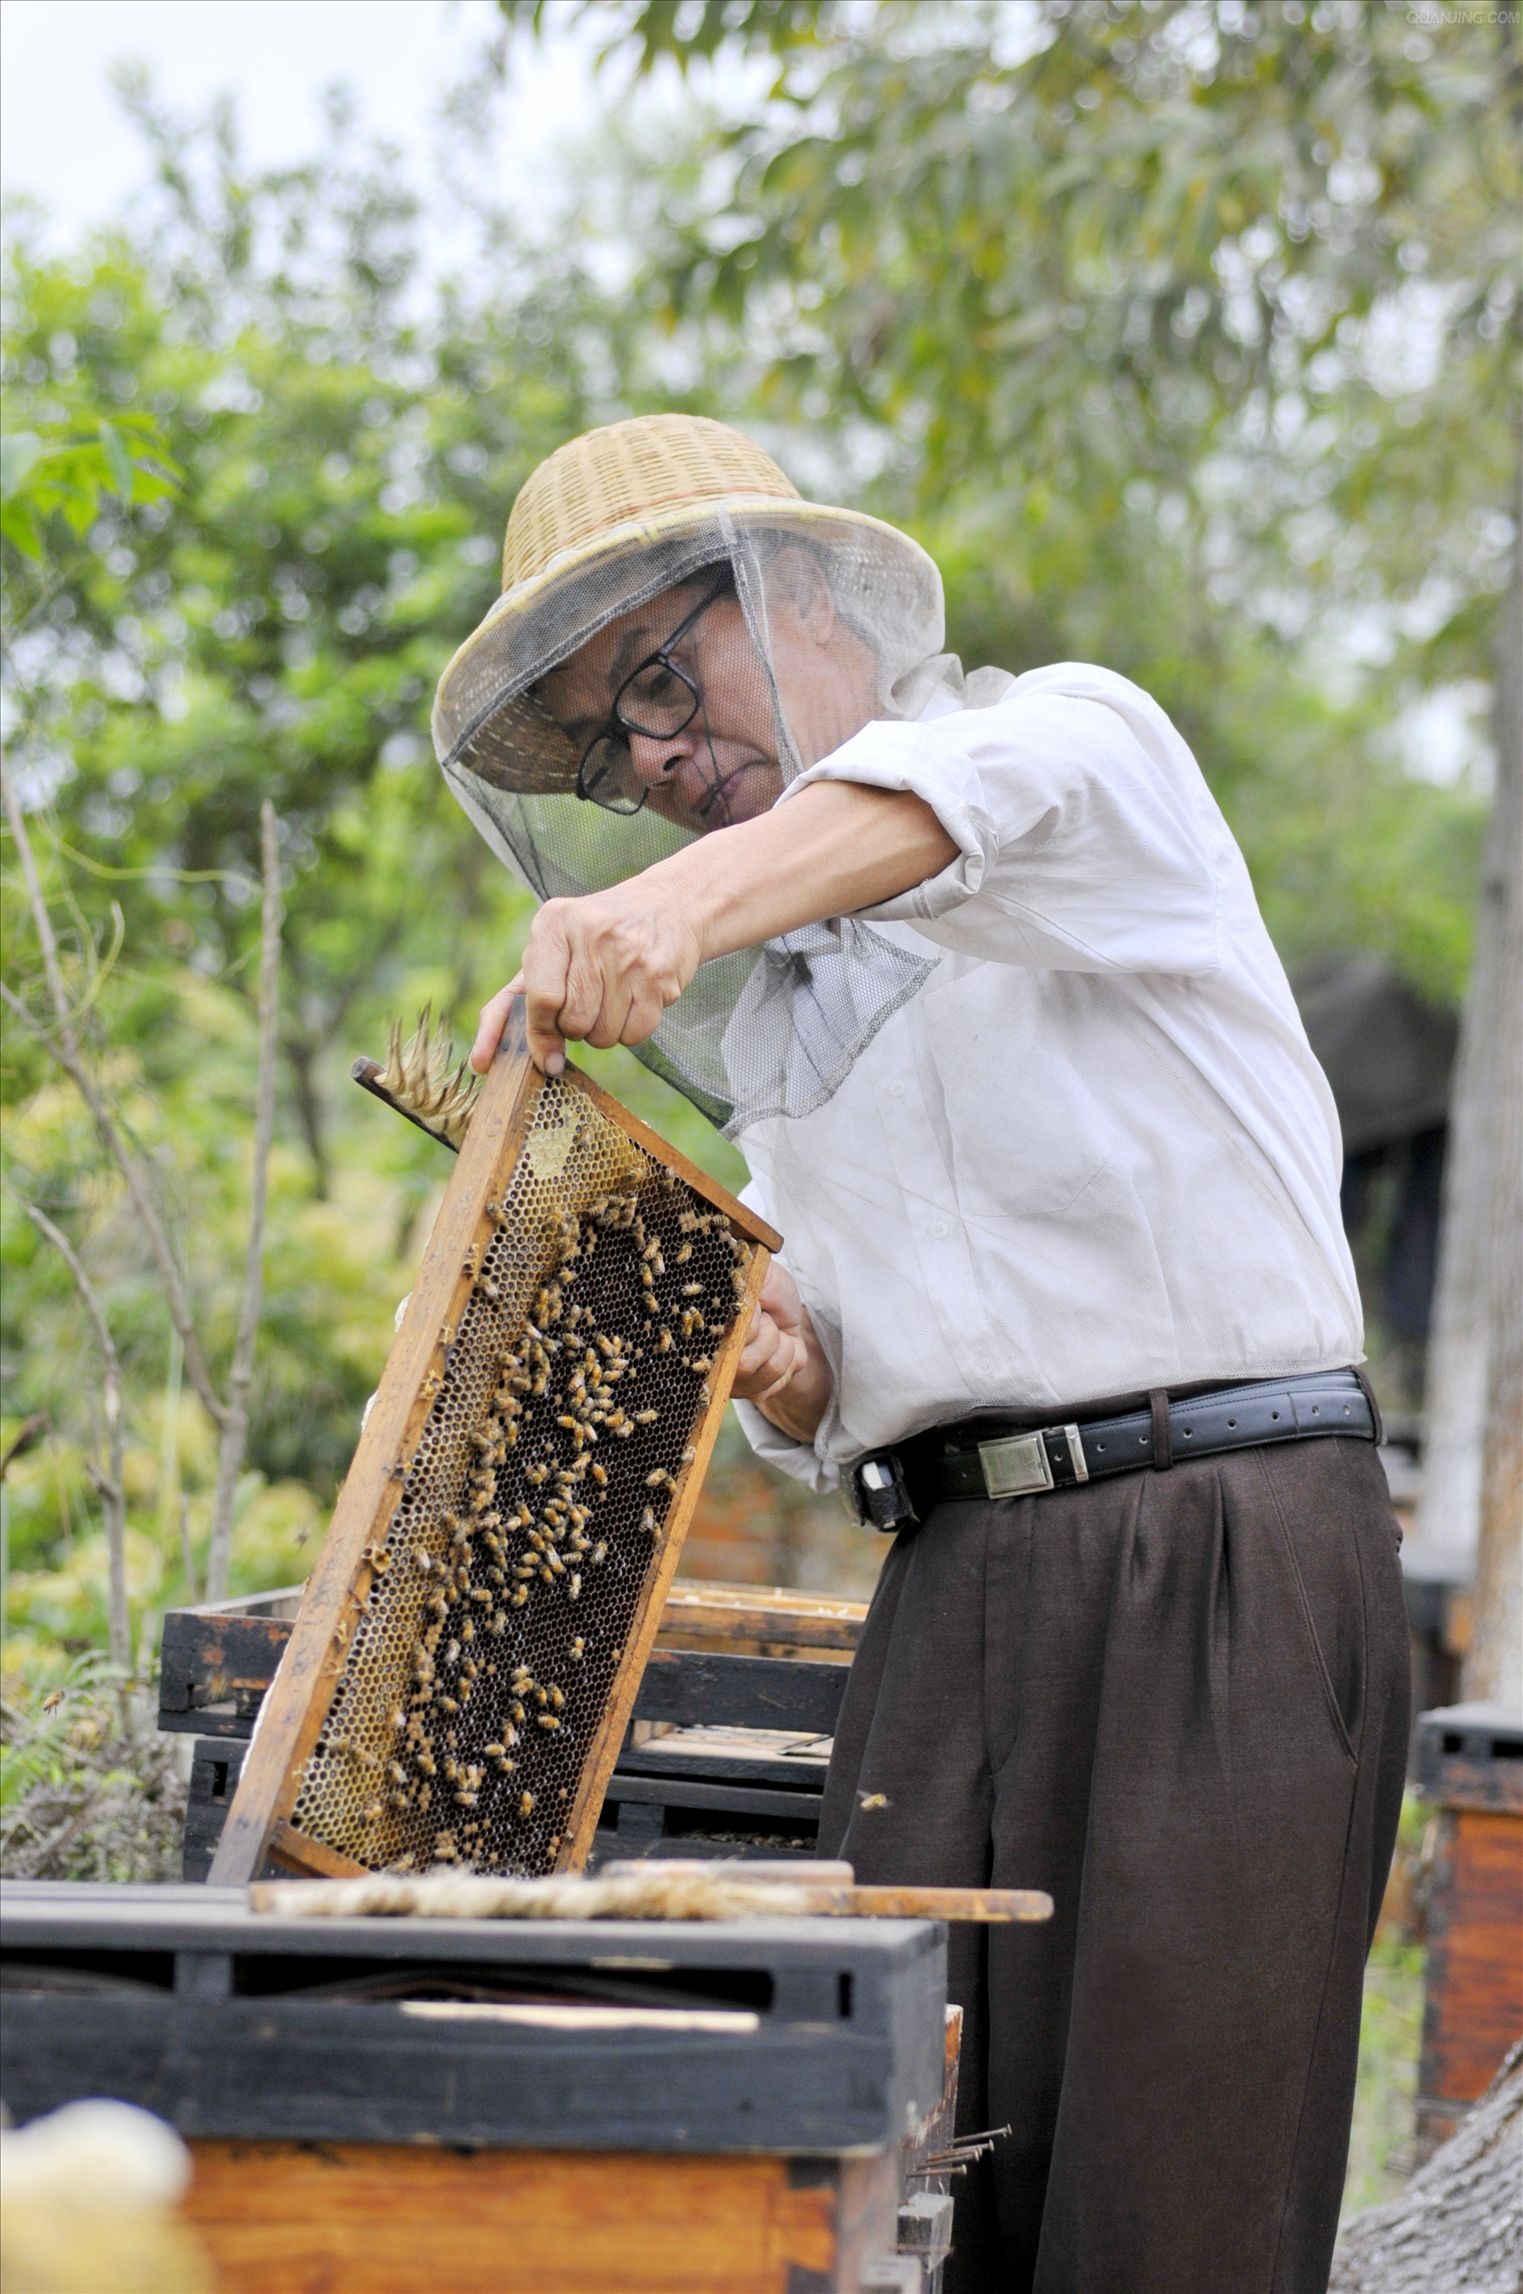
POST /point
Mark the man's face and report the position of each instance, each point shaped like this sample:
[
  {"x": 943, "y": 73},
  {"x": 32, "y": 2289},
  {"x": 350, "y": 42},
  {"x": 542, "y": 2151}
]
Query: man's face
[{"x": 722, "y": 766}]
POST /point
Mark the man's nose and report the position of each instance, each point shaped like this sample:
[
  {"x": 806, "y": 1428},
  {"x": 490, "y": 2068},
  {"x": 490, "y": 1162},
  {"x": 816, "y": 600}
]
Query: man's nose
[{"x": 657, "y": 758}]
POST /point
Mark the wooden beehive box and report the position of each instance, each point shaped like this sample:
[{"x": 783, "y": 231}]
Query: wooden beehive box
[
  {"x": 458, "y": 1681},
  {"x": 1470, "y": 1771}
]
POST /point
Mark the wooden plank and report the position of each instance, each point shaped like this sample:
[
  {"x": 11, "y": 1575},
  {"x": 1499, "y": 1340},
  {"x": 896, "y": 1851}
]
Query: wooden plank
[
  {"x": 389, "y": 2219},
  {"x": 582, "y": 1820},
  {"x": 718, "y": 1800},
  {"x": 769, "y": 1616},
  {"x": 298, "y": 1701},
  {"x": 755, "y": 1692}
]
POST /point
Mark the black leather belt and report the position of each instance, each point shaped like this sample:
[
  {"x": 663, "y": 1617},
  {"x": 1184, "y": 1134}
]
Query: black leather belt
[{"x": 894, "y": 1489}]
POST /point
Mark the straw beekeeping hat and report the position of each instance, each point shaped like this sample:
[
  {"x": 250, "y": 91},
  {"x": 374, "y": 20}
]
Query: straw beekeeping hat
[{"x": 610, "y": 520}]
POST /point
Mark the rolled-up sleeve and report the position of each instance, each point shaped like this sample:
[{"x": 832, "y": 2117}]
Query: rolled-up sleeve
[{"x": 1086, "y": 837}]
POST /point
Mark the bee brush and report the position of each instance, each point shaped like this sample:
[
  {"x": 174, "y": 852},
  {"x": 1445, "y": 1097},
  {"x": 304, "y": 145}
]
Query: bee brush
[{"x": 420, "y": 1081}]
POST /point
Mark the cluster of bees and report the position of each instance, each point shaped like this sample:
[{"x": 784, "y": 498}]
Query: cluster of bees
[{"x": 572, "y": 1466}]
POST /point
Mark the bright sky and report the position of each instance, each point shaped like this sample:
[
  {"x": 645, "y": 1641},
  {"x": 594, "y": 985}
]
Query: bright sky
[{"x": 63, "y": 137}]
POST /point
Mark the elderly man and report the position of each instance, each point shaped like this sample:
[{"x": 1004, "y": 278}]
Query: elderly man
[{"x": 973, "y": 970}]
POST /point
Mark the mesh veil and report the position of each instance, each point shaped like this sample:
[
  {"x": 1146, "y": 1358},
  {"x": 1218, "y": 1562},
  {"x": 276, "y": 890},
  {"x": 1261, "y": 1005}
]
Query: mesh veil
[{"x": 771, "y": 1030}]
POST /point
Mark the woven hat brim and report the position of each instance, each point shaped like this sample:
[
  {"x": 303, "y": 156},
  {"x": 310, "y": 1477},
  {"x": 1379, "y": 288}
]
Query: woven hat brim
[{"x": 508, "y": 738}]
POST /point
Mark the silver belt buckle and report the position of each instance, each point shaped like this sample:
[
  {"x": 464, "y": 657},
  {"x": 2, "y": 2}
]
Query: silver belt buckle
[
  {"x": 1015, "y": 1467},
  {"x": 1019, "y": 1466}
]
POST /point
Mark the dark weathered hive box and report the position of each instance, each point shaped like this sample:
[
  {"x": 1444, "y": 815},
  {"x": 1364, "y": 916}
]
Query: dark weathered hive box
[{"x": 578, "y": 2108}]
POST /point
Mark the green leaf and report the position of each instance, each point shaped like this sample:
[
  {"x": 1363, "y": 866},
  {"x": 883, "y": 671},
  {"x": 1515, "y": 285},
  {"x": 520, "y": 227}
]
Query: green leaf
[
  {"x": 20, "y": 452},
  {"x": 118, "y": 460}
]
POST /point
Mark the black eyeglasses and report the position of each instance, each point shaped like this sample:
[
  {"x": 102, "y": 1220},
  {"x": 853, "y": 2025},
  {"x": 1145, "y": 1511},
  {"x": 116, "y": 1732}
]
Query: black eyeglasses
[{"x": 657, "y": 699}]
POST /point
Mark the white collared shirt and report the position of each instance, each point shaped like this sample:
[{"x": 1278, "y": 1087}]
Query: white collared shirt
[{"x": 1094, "y": 1154}]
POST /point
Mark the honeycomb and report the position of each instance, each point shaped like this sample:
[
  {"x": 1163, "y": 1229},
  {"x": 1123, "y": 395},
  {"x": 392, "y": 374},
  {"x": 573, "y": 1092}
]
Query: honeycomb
[{"x": 533, "y": 1513}]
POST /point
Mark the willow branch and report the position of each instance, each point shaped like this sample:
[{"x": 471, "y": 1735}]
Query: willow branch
[
  {"x": 61, "y": 1041},
  {"x": 236, "y": 1424},
  {"x": 110, "y": 1485}
]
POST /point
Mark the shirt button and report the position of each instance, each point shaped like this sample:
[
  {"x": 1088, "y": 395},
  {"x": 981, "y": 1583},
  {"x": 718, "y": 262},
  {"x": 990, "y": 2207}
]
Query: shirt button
[
  {"x": 940, "y": 1229},
  {"x": 896, "y": 1090}
]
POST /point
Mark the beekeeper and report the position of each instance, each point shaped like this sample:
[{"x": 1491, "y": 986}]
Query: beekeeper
[{"x": 973, "y": 971}]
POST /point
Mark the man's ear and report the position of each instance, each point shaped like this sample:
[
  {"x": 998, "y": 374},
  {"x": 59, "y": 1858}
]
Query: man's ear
[{"x": 796, "y": 572}]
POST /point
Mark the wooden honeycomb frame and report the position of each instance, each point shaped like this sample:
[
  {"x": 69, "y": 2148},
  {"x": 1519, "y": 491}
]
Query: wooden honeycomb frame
[{"x": 333, "y": 1780}]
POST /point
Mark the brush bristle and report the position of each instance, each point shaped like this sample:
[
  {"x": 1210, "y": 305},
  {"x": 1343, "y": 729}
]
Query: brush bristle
[{"x": 423, "y": 1076}]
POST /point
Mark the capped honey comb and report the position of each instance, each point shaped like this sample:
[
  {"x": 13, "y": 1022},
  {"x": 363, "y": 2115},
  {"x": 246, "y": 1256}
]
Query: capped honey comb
[{"x": 457, "y": 1685}]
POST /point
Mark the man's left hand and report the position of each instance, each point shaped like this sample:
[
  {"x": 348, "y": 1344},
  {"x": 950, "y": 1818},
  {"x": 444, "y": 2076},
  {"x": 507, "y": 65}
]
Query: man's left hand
[{"x": 601, "y": 970}]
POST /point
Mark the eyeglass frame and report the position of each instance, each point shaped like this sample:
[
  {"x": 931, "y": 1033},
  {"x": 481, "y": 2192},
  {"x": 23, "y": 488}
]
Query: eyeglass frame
[{"x": 616, "y": 726}]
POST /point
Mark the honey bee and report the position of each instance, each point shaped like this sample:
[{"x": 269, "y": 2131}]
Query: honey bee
[
  {"x": 488, "y": 1289},
  {"x": 424, "y": 1563},
  {"x": 600, "y": 1552},
  {"x": 684, "y": 1253},
  {"x": 658, "y": 1479},
  {"x": 579, "y": 1647},
  {"x": 471, "y": 1261},
  {"x": 574, "y": 1586},
  {"x": 449, "y": 1705},
  {"x": 526, "y": 1804},
  {"x": 396, "y": 1772},
  {"x": 701, "y": 1362},
  {"x": 557, "y": 1698},
  {"x": 663, "y": 1340},
  {"x": 599, "y": 1474},
  {"x": 547, "y": 1720},
  {"x": 520, "y": 1596},
  {"x": 374, "y": 1811},
  {"x": 648, "y": 1521},
  {"x": 426, "y": 1761}
]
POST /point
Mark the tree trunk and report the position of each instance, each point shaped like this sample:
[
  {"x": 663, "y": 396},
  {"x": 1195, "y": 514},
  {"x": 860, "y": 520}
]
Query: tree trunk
[
  {"x": 1473, "y": 1455},
  {"x": 1457, "y": 2228},
  {"x": 1494, "y": 1666},
  {"x": 301, "y": 1057}
]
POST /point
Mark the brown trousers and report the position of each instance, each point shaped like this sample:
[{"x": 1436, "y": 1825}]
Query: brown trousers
[{"x": 1178, "y": 1701}]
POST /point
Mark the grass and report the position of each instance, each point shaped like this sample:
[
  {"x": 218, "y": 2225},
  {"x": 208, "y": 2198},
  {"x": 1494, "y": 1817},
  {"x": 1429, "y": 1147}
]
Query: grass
[{"x": 1381, "y": 2154}]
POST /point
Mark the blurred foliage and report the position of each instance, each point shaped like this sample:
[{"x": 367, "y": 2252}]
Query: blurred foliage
[
  {"x": 89, "y": 1789},
  {"x": 1178, "y": 334}
]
